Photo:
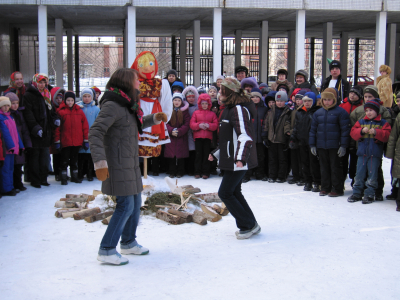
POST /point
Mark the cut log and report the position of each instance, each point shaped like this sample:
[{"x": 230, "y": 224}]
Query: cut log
[
  {"x": 70, "y": 214},
  {"x": 64, "y": 204},
  {"x": 87, "y": 213},
  {"x": 88, "y": 197},
  {"x": 78, "y": 199},
  {"x": 96, "y": 193},
  {"x": 64, "y": 199},
  {"x": 106, "y": 221},
  {"x": 192, "y": 190},
  {"x": 99, "y": 217},
  {"x": 223, "y": 211},
  {"x": 71, "y": 195},
  {"x": 199, "y": 218},
  {"x": 170, "y": 218},
  {"x": 209, "y": 197},
  {"x": 186, "y": 216},
  {"x": 186, "y": 186},
  {"x": 65, "y": 210},
  {"x": 212, "y": 215}
]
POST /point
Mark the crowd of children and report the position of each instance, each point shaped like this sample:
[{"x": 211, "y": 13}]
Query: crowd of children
[{"x": 301, "y": 137}]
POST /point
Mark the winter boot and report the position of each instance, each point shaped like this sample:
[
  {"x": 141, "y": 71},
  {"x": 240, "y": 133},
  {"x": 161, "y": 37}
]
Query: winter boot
[
  {"x": 64, "y": 177},
  {"x": 368, "y": 199},
  {"x": 74, "y": 177},
  {"x": 398, "y": 202},
  {"x": 246, "y": 179},
  {"x": 89, "y": 174},
  {"x": 307, "y": 187},
  {"x": 316, "y": 188},
  {"x": 300, "y": 182},
  {"x": 353, "y": 198}
]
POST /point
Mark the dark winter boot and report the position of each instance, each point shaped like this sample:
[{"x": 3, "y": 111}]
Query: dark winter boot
[
  {"x": 58, "y": 178},
  {"x": 307, "y": 187},
  {"x": 398, "y": 202},
  {"x": 74, "y": 177},
  {"x": 246, "y": 179},
  {"x": 64, "y": 177},
  {"x": 89, "y": 174},
  {"x": 316, "y": 188},
  {"x": 393, "y": 195}
]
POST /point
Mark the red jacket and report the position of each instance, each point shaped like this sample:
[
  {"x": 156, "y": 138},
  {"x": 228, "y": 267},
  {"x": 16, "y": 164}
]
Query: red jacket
[
  {"x": 350, "y": 106},
  {"x": 203, "y": 116},
  {"x": 74, "y": 127}
]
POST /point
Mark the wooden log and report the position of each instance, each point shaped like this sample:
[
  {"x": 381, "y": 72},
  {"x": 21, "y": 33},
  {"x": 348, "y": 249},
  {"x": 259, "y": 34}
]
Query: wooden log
[
  {"x": 209, "y": 197},
  {"x": 223, "y": 211},
  {"x": 99, "y": 217},
  {"x": 64, "y": 199},
  {"x": 71, "y": 196},
  {"x": 106, "y": 221},
  {"x": 87, "y": 213},
  {"x": 186, "y": 186},
  {"x": 96, "y": 193},
  {"x": 64, "y": 204},
  {"x": 192, "y": 190},
  {"x": 170, "y": 218},
  {"x": 79, "y": 199},
  {"x": 199, "y": 218},
  {"x": 65, "y": 210},
  {"x": 87, "y": 196},
  {"x": 186, "y": 216},
  {"x": 70, "y": 214},
  {"x": 213, "y": 216}
]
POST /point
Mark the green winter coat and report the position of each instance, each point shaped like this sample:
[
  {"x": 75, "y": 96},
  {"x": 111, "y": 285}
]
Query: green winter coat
[{"x": 393, "y": 147}]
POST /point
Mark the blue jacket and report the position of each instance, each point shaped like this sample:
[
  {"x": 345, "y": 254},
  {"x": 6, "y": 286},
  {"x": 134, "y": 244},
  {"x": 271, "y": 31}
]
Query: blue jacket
[
  {"x": 368, "y": 144},
  {"x": 330, "y": 128},
  {"x": 8, "y": 142},
  {"x": 91, "y": 112}
]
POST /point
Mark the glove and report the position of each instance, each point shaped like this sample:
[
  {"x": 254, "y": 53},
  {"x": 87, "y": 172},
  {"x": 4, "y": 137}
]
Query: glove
[
  {"x": 40, "y": 133},
  {"x": 102, "y": 174},
  {"x": 85, "y": 145},
  {"x": 57, "y": 123},
  {"x": 160, "y": 116},
  {"x": 314, "y": 151},
  {"x": 206, "y": 125},
  {"x": 57, "y": 146},
  {"x": 341, "y": 152},
  {"x": 266, "y": 143},
  {"x": 202, "y": 126}
]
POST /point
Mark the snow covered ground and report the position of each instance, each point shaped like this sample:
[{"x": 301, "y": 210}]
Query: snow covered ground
[{"x": 310, "y": 247}]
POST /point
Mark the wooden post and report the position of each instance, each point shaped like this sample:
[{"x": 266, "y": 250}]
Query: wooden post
[{"x": 145, "y": 167}]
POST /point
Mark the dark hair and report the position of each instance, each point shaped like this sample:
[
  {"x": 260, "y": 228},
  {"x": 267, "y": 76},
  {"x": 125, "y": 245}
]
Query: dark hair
[{"x": 123, "y": 79}]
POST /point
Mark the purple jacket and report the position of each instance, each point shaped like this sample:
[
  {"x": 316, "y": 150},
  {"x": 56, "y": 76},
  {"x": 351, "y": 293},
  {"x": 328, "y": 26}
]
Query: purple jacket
[
  {"x": 179, "y": 145},
  {"x": 23, "y": 133}
]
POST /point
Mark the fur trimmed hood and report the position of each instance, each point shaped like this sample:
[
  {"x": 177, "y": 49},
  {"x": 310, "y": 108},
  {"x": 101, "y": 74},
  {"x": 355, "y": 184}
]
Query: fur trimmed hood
[{"x": 192, "y": 89}]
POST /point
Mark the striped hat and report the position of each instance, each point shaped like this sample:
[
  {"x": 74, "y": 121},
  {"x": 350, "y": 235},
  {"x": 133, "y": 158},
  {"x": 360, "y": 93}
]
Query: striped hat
[{"x": 373, "y": 104}]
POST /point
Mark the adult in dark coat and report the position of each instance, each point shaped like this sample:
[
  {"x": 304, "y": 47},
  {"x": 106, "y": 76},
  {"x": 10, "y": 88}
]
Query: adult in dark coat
[
  {"x": 236, "y": 154},
  {"x": 301, "y": 81},
  {"x": 336, "y": 81},
  {"x": 40, "y": 118},
  {"x": 17, "y": 86}
]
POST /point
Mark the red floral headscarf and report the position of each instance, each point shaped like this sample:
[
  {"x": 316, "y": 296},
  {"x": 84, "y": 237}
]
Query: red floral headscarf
[
  {"x": 12, "y": 85},
  {"x": 45, "y": 93}
]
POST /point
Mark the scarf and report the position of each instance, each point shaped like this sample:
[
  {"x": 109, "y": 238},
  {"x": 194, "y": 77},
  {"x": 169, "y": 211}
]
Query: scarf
[
  {"x": 45, "y": 93},
  {"x": 133, "y": 105}
]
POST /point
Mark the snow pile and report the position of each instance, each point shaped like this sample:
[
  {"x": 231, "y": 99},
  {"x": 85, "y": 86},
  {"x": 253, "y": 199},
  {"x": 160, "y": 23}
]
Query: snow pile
[{"x": 103, "y": 202}]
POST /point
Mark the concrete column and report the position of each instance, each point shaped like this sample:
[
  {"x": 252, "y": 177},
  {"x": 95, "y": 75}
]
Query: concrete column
[
  {"x": 291, "y": 54},
  {"x": 300, "y": 36},
  {"x": 263, "y": 51},
  {"x": 344, "y": 51},
  {"x": 43, "y": 54},
  {"x": 391, "y": 43},
  {"x": 59, "y": 53},
  {"x": 196, "y": 53},
  {"x": 238, "y": 48},
  {"x": 131, "y": 36},
  {"x": 182, "y": 56},
  {"x": 77, "y": 76},
  {"x": 326, "y": 48},
  {"x": 217, "y": 43},
  {"x": 70, "y": 66},
  {"x": 380, "y": 41}
]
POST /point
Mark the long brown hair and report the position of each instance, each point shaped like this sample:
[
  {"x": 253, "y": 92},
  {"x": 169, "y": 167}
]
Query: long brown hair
[
  {"x": 124, "y": 79},
  {"x": 233, "y": 98},
  {"x": 177, "y": 116}
]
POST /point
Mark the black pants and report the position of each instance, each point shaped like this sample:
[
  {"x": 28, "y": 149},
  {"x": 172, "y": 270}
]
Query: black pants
[
  {"x": 56, "y": 163},
  {"x": 85, "y": 164},
  {"x": 176, "y": 166},
  {"x": 69, "y": 155},
  {"x": 314, "y": 167},
  {"x": 17, "y": 176},
  {"x": 277, "y": 161},
  {"x": 331, "y": 170},
  {"x": 202, "y": 164},
  {"x": 189, "y": 162},
  {"x": 266, "y": 161},
  {"x": 296, "y": 165},
  {"x": 230, "y": 192},
  {"x": 305, "y": 163},
  {"x": 381, "y": 181},
  {"x": 259, "y": 170},
  {"x": 38, "y": 165}
]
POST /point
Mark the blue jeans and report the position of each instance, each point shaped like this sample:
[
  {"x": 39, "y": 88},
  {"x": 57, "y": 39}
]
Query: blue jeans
[
  {"x": 366, "y": 165},
  {"x": 122, "y": 224},
  {"x": 230, "y": 192}
]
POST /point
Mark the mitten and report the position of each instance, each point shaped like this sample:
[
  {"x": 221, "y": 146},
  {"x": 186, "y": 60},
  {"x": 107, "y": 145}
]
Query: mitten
[
  {"x": 102, "y": 174},
  {"x": 341, "y": 152},
  {"x": 160, "y": 116},
  {"x": 85, "y": 145},
  {"x": 57, "y": 146},
  {"x": 40, "y": 133},
  {"x": 57, "y": 123}
]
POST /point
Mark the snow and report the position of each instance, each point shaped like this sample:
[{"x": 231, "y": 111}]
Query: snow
[{"x": 310, "y": 247}]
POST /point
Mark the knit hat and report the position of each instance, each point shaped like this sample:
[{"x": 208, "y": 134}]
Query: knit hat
[
  {"x": 214, "y": 104},
  {"x": 282, "y": 71},
  {"x": 262, "y": 85},
  {"x": 212, "y": 88},
  {"x": 335, "y": 64},
  {"x": 177, "y": 85},
  {"x": 300, "y": 94},
  {"x": 294, "y": 93},
  {"x": 177, "y": 95},
  {"x": 329, "y": 93},
  {"x": 220, "y": 77},
  {"x": 265, "y": 90},
  {"x": 173, "y": 72},
  {"x": 283, "y": 85},
  {"x": 249, "y": 81},
  {"x": 255, "y": 92},
  {"x": 281, "y": 96},
  {"x": 241, "y": 69},
  {"x": 87, "y": 91},
  {"x": 4, "y": 101},
  {"x": 302, "y": 73},
  {"x": 12, "y": 96},
  {"x": 232, "y": 84},
  {"x": 69, "y": 94},
  {"x": 358, "y": 91},
  {"x": 373, "y": 104},
  {"x": 270, "y": 96},
  {"x": 373, "y": 90},
  {"x": 96, "y": 89},
  {"x": 201, "y": 90},
  {"x": 310, "y": 96}
]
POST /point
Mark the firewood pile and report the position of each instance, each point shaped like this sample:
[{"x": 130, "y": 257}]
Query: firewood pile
[{"x": 76, "y": 206}]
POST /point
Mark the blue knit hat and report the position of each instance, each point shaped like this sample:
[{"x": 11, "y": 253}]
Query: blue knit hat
[
  {"x": 310, "y": 95},
  {"x": 87, "y": 91}
]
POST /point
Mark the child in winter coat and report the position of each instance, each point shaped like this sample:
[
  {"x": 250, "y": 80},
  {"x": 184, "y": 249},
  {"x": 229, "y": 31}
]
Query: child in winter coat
[
  {"x": 275, "y": 138},
  {"x": 57, "y": 97},
  {"x": 212, "y": 91},
  {"x": 384, "y": 84},
  {"x": 299, "y": 140},
  {"x": 23, "y": 131},
  {"x": 13, "y": 145},
  {"x": 258, "y": 123},
  {"x": 330, "y": 132},
  {"x": 191, "y": 96},
  {"x": 71, "y": 136},
  {"x": 203, "y": 123},
  {"x": 178, "y": 127},
  {"x": 393, "y": 153},
  {"x": 91, "y": 111}
]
